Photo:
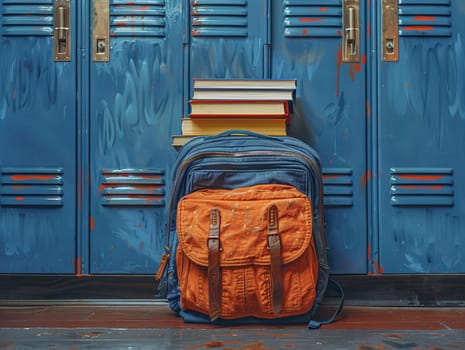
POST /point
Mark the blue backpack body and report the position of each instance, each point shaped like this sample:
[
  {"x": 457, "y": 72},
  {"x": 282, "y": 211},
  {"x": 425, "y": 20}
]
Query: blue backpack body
[{"x": 239, "y": 159}]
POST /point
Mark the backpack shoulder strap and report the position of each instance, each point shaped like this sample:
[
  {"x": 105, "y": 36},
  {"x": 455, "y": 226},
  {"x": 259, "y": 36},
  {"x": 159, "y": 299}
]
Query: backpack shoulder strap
[{"x": 313, "y": 324}]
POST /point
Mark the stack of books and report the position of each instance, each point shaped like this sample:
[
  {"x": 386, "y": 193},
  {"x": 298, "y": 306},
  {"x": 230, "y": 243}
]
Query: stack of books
[{"x": 261, "y": 106}]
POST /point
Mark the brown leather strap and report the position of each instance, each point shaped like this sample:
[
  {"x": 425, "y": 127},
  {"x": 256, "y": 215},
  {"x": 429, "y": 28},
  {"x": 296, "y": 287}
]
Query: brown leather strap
[
  {"x": 214, "y": 278},
  {"x": 274, "y": 246},
  {"x": 161, "y": 269}
]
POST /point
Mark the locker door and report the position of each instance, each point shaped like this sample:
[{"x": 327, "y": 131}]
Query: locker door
[
  {"x": 422, "y": 136},
  {"x": 37, "y": 137},
  {"x": 228, "y": 39},
  {"x": 309, "y": 44},
  {"x": 135, "y": 104}
]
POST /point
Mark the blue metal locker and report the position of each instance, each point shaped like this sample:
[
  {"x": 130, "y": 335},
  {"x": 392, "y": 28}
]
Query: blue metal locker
[
  {"x": 38, "y": 192},
  {"x": 420, "y": 129},
  {"x": 229, "y": 39},
  {"x": 307, "y": 44},
  {"x": 92, "y": 91},
  {"x": 135, "y": 105},
  {"x": 86, "y": 138}
]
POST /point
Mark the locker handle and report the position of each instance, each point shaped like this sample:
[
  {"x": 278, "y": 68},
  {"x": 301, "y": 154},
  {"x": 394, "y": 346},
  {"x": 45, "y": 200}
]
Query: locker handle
[
  {"x": 351, "y": 30},
  {"x": 101, "y": 31},
  {"x": 351, "y": 34},
  {"x": 390, "y": 32},
  {"x": 62, "y": 28}
]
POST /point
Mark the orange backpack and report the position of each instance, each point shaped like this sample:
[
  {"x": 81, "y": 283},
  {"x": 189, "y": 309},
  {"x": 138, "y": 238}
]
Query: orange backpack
[
  {"x": 245, "y": 235},
  {"x": 246, "y": 252}
]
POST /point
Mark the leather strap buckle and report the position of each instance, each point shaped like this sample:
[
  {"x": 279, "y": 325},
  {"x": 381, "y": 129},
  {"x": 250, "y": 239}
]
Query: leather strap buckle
[
  {"x": 274, "y": 245},
  {"x": 214, "y": 276}
]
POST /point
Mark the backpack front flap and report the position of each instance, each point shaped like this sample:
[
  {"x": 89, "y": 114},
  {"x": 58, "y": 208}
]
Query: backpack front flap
[{"x": 246, "y": 252}]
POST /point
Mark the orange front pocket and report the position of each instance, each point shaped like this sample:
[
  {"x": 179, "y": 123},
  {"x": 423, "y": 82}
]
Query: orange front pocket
[{"x": 247, "y": 281}]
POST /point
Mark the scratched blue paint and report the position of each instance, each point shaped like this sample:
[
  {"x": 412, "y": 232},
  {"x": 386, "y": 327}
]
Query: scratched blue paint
[
  {"x": 136, "y": 106},
  {"x": 330, "y": 115},
  {"x": 234, "y": 49},
  {"x": 133, "y": 187},
  {"x": 390, "y": 135},
  {"x": 37, "y": 146},
  {"x": 421, "y": 142}
]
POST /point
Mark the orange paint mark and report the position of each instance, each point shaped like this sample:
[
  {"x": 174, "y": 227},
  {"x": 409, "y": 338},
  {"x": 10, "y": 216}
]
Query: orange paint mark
[
  {"x": 421, "y": 177},
  {"x": 327, "y": 177},
  {"x": 323, "y": 9},
  {"x": 369, "y": 29},
  {"x": 357, "y": 67},
  {"x": 78, "y": 265},
  {"x": 376, "y": 266},
  {"x": 305, "y": 31},
  {"x": 311, "y": 19},
  {"x": 379, "y": 270},
  {"x": 369, "y": 252},
  {"x": 424, "y": 18},
  {"x": 365, "y": 178},
  {"x": 407, "y": 84},
  {"x": 14, "y": 93},
  {"x": 413, "y": 187},
  {"x": 368, "y": 109},
  {"x": 32, "y": 177},
  {"x": 146, "y": 187},
  {"x": 91, "y": 223},
  {"x": 147, "y": 199},
  {"x": 418, "y": 28},
  {"x": 352, "y": 68},
  {"x": 20, "y": 198}
]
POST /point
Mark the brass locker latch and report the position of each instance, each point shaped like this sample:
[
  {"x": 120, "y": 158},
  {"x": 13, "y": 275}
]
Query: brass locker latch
[
  {"x": 390, "y": 36},
  {"x": 351, "y": 31},
  {"x": 62, "y": 30},
  {"x": 101, "y": 31}
]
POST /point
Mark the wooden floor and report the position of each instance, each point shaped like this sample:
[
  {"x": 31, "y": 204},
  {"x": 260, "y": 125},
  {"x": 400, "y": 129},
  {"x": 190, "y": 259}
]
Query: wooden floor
[
  {"x": 158, "y": 315},
  {"x": 151, "y": 325}
]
